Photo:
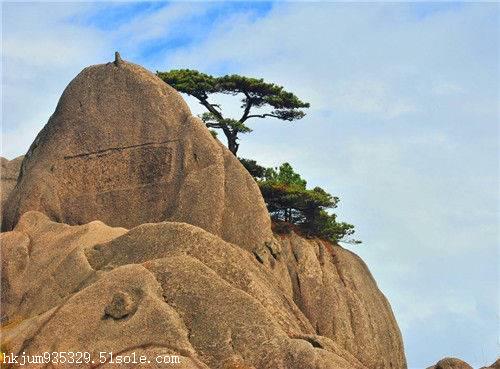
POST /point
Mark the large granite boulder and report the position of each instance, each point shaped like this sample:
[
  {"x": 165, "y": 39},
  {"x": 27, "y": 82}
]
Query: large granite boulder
[
  {"x": 122, "y": 147},
  {"x": 199, "y": 275},
  {"x": 164, "y": 288},
  {"x": 454, "y": 363}
]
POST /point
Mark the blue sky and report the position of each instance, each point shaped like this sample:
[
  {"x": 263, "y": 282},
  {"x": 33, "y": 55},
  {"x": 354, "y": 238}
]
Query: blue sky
[{"x": 403, "y": 126}]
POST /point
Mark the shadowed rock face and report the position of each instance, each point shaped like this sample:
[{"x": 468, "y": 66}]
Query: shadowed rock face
[{"x": 123, "y": 148}]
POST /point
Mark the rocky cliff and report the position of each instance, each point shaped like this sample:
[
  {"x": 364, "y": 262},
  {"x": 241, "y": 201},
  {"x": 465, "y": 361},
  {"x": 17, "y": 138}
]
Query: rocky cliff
[
  {"x": 132, "y": 230},
  {"x": 495, "y": 365}
]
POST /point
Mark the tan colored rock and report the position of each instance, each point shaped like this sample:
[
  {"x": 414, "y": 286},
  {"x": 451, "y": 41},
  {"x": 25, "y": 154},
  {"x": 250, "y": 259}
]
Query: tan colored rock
[
  {"x": 337, "y": 293},
  {"x": 43, "y": 263},
  {"x": 451, "y": 363},
  {"x": 168, "y": 288},
  {"x": 123, "y": 148},
  {"x": 9, "y": 172}
]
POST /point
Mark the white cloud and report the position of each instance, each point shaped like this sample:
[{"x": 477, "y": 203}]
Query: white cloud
[
  {"x": 420, "y": 311},
  {"x": 371, "y": 97},
  {"x": 158, "y": 25}
]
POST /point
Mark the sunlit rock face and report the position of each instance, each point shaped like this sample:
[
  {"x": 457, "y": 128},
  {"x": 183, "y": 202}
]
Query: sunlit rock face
[
  {"x": 335, "y": 290},
  {"x": 163, "y": 288},
  {"x": 122, "y": 147}
]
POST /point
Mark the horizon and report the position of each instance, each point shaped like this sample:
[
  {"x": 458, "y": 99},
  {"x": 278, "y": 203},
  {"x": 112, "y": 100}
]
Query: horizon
[{"x": 403, "y": 127}]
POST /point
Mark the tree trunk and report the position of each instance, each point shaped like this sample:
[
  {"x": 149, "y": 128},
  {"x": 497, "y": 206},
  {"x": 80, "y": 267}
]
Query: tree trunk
[{"x": 232, "y": 145}]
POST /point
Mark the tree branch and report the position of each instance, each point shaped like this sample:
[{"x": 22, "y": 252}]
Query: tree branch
[
  {"x": 350, "y": 242},
  {"x": 248, "y": 106},
  {"x": 203, "y": 101},
  {"x": 214, "y": 125},
  {"x": 262, "y": 116},
  {"x": 210, "y": 107}
]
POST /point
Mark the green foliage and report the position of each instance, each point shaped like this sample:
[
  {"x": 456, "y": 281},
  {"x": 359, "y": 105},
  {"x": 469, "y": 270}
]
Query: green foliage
[
  {"x": 285, "y": 175},
  {"x": 288, "y": 200},
  {"x": 257, "y": 171},
  {"x": 259, "y": 93},
  {"x": 285, "y": 191},
  {"x": 324, "y": 225},
  {"x": 255, "y": 94},
  {"x": 212, "y": 121},
  {"x": 189, "y": 81}
]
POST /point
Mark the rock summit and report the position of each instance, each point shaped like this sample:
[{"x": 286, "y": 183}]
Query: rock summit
[{"x": 122, "y": 147}]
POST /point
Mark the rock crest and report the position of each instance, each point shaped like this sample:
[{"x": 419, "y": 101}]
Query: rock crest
[{"x": 123, "y": 148}]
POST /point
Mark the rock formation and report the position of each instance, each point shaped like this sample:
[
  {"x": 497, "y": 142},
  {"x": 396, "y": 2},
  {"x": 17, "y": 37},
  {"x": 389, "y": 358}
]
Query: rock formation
[
  {"x": 8, "y": 176},
  {"x": 170, "y": 288},
  {"x": 450, "y": 363},
  {"x": 123, "y": 148},
  {"x": 90, "y": 264},
  {"x": 337, "y": 293}
]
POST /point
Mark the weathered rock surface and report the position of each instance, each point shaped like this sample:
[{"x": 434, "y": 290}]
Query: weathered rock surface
[
  {"x": 8, "y": 176},
  {"x": 450, "y": 363},
  {"x": 42, "y": 263},
  {"x": 337, "y": 293},
  {"x": 170, "y": 287},
  {"x": 123, "y": 148},
  {"x": 96, "y": 288}
]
